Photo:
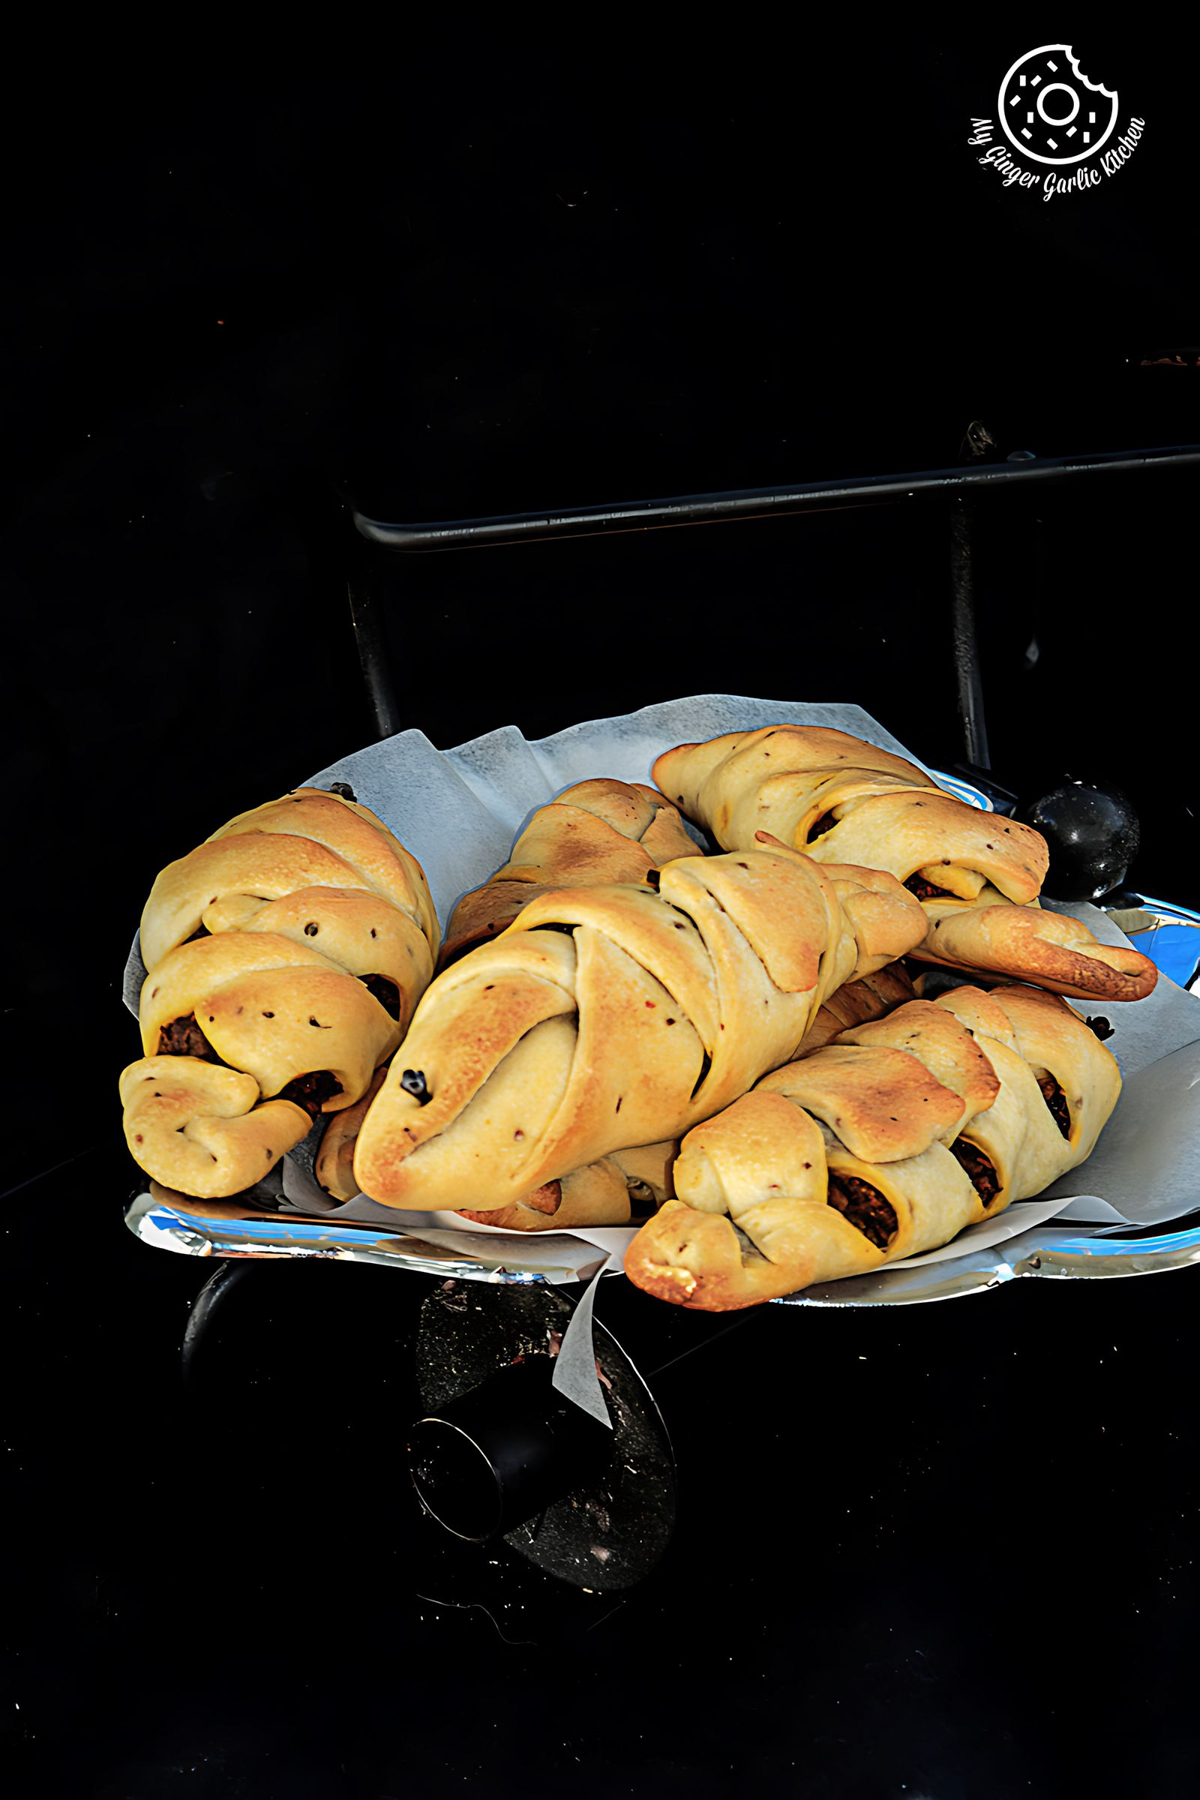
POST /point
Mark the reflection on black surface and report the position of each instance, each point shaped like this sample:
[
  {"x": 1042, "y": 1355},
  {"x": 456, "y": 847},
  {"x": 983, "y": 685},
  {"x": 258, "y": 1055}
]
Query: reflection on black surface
[{"x": 910, "y": 1548}]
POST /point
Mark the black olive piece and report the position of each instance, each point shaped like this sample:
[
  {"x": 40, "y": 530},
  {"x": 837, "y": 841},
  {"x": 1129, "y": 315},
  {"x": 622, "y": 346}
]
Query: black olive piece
[
  {"x": 343, "y": 788},
  {"x": 1101, "y": 1027},
  {"x": 413, "y": 1082}
]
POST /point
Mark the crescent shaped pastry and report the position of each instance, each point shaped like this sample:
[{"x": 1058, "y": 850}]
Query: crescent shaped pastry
[
  {"x": 881, "y": 1146},
  {"x": 286, "y": 956},
  {"x": 611, "y": 1192},
  {"x": 837, "y": 798},
  {"x": 611, "y": 1016}
]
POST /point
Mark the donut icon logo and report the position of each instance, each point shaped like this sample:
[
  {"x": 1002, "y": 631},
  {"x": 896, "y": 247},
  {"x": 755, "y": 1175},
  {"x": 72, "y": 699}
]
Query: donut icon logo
[{"x": 1050, "y": 111}]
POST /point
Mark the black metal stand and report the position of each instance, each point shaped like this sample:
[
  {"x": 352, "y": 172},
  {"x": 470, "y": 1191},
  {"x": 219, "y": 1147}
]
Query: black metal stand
[{"x": 960, "y": 486}]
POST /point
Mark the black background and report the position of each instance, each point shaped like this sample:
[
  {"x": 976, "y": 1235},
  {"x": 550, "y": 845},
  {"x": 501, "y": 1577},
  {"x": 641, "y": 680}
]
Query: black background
[{"x": 507, "y": 269}]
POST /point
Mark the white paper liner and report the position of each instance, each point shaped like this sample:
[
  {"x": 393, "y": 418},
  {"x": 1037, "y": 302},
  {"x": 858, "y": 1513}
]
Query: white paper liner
[{"x": 458, "y": 812}]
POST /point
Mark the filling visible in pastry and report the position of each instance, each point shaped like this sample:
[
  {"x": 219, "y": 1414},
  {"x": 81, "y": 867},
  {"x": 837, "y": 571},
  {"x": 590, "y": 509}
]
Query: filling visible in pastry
[
  {"x": 545, "y": 1199},
  {"x": 641, "y": 1198},
  {"x": 979, "y": 1168},
  {"x": 825, "y": 823},
  {"x": 385, "y": 991},
  {"x": 311, "y": 1091},
  {"x": 864, "y": 1207},
  {"x": 183, "y": 1037},
  {"x": 1056, "y": 1100},
  {"x": 925, "y": 890}
]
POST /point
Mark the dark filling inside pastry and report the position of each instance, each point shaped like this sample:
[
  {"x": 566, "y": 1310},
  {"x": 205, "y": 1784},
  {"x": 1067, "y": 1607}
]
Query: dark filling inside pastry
[
  {"x": 200, "y": 931},
  {"x": 979, "y": 1168},
  {"x": 825, "y": 823},
  {"x": 1056, "y": 1100},
  {"x": 385, "y": 991},
  {"x": 864, "y": 1207},
  {"x": 925, "y": 890},
  {"x": 641, "y": 1198},
  {"x": 311, "y": 1091},
  {"x": 183, "y": 1037}
]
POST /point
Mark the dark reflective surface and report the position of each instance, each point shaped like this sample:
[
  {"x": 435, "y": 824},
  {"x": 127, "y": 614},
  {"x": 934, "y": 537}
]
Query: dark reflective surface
[{"x": 912, "y": 1554}]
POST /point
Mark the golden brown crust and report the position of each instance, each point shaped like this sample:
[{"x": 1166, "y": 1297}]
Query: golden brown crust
[
  {"x": 881, "y": 1103},
  {"x": 593, "y": 1196},
  {"x": 932, "y": 834},
  {"x": 839, "y": 799},
  {"x": 604, "y": 1193},
  {"x": 597, "y": 833},
  {"x": 941, "y": 1041},
  {"x": 549, "y": 1049},
  {"x": 308, "y": 839},
  {"x": 836, "y": 797},
  {"x": 770, "y": 1200},
  {"x": 856, "y": 1003},
  {"x": 1029, "y": 943},
  {"x": 198, "y": 1128},
  {"x": 353, "y": 832},
  {"x": 316, "y": 939}
]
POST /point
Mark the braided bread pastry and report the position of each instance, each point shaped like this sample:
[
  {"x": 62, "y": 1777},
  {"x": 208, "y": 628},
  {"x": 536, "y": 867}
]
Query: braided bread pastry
[
  {"x": 613, "y": 1191},
  {"x": 881, "y": 1146},
  {"x": 840, "y": 799},
  {"x": 248, "y": 1028},
  {"x": 616, "y": 1015},
  {"x": 598, "y": 832}
]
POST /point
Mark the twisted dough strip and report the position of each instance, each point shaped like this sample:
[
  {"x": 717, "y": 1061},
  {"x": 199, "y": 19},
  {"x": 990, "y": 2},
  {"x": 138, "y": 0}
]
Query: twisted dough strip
[
  {"x": 842, "y": 800},
  {"x": 602, "y": 1193},
  {"x": 595, "y": 833},
  {"x": 885, "y": 1144},
  {"x": 617, "y": 1016},
  {"x": 250, "y": 1010}
]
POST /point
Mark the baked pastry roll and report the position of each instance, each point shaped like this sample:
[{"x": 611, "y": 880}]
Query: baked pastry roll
[
  {"x": 618, "y": 1015},
  {"x": 625, "y": 1186},
  {"x": 286, "y": 956},
  {"x": 885, "y": 1144},
  {"x": 598, "y": 832},
  {"x": 840, "y": 799}
]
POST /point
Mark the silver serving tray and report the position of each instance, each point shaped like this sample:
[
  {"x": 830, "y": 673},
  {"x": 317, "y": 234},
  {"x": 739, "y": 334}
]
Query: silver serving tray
[{"x": 1055, "y": 1251}]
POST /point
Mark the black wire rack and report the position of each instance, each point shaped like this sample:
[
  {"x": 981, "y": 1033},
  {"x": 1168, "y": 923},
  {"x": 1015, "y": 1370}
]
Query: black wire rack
[{"x": 957, "y": 488}]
